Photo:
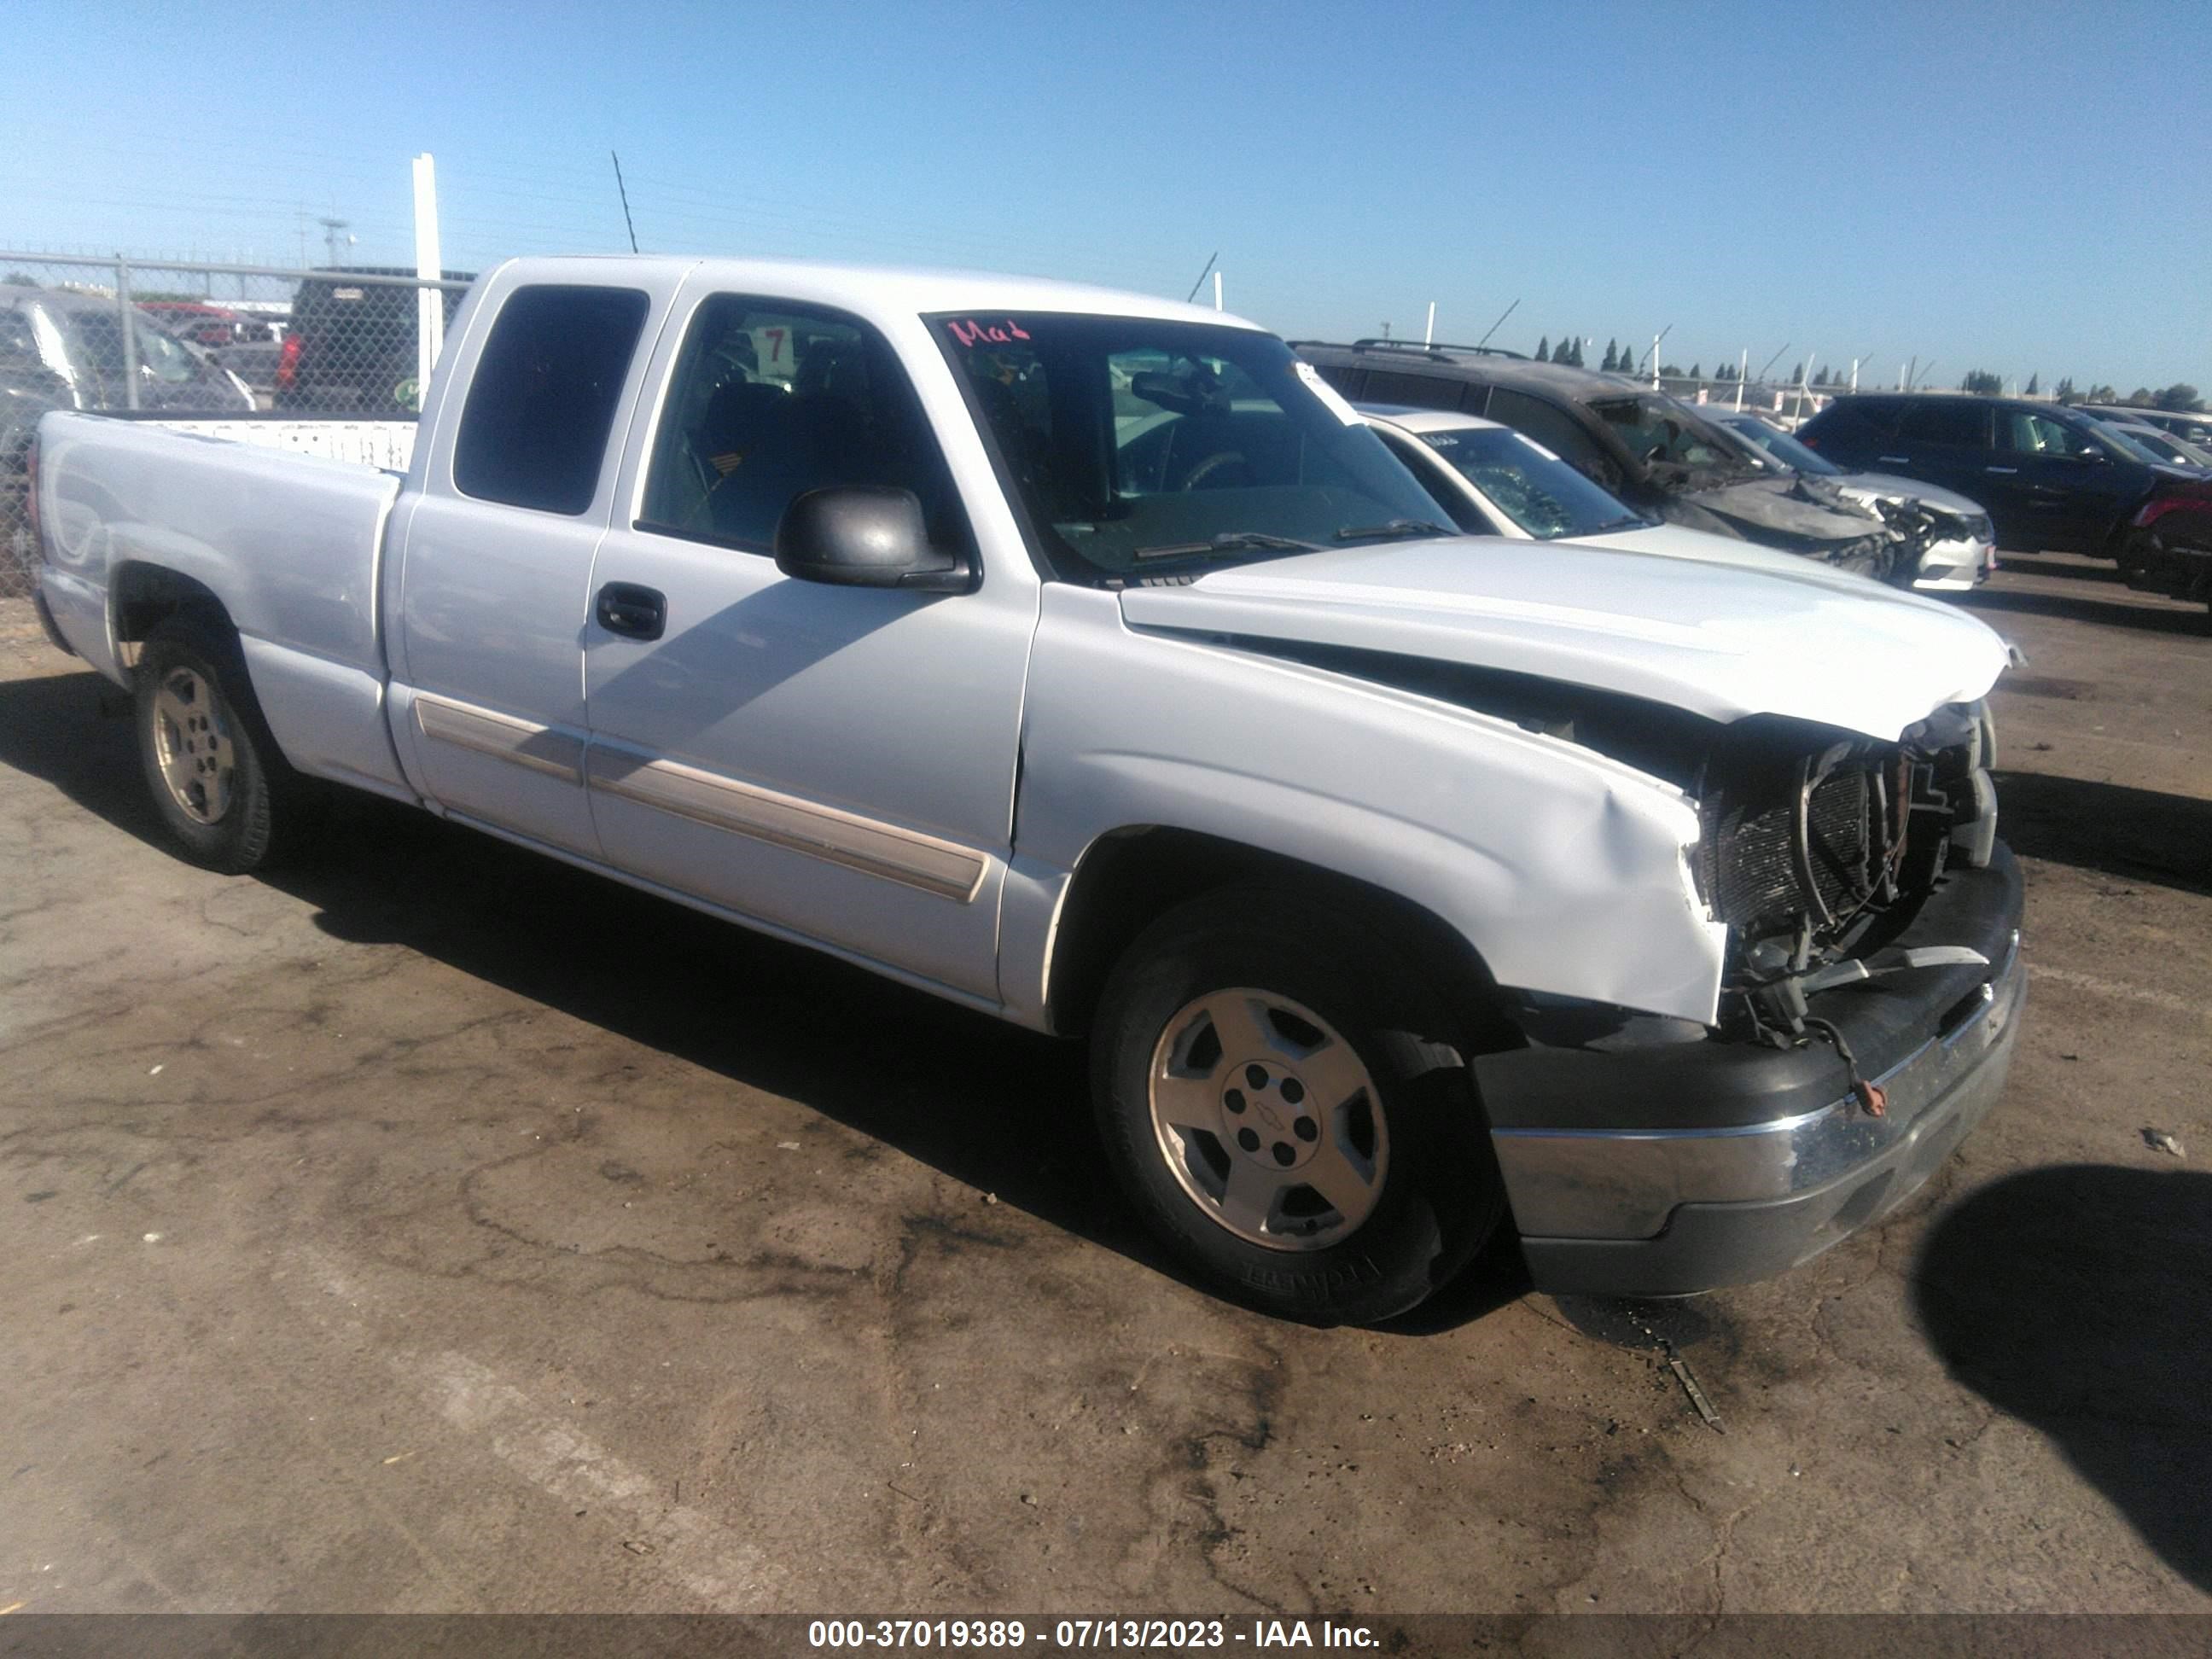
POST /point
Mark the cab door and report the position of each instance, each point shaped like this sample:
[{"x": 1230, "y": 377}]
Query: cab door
[
  {"x": 833, "y": 763},
  {"x": 487, "y": 581},
  {"x": 2065, "y": 489}
]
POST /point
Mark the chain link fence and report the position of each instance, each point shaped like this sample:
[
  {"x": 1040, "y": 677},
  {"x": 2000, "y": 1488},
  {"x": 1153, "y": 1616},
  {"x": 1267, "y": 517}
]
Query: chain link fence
[{"x": 166, "y": 340}]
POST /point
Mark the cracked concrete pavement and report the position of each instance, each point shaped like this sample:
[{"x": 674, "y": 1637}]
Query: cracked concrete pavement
[{"x": 433, "y": 1227}]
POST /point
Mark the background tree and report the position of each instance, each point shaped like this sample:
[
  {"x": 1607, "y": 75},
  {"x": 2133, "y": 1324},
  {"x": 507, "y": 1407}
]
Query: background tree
[
  {"x": 1820, "y": 377},
  {"x": 1544, "y": 349},
  {"x": 2034, "y": 384},
  {"x": 1982, "y": 382},
  {"x": 1670, "y": 371},
  {"x": 2066, "y": 393},
  {"x": 2140, "y": 397},
  {"x": 18, "y": 279},
  {"x": 1611, "y": 356},
  {"x": 2181, "y": 397},
  {"x": 1697, "y": 371},
  {"x": 1578, "y": 354},
  {"x": 2101, "y": 394}
]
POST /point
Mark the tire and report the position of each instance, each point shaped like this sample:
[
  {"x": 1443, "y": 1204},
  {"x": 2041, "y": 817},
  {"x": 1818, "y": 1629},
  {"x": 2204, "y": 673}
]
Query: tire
[
  {"x": 217, "y": 778},
  {"x": 1326, "y": 1060}
]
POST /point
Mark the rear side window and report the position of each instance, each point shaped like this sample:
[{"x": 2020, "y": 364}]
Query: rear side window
[
  {"x": 541, "y": 401},
  {"x": 1946, "y": 421},
  {"x": 1386, "y": 386}
]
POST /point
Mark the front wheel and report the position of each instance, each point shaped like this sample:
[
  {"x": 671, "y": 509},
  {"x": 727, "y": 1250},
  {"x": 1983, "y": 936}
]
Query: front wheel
[{"x": 1273, "y": 1098}]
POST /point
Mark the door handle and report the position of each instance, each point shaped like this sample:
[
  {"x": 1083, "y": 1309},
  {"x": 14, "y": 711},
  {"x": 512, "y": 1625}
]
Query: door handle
[
  {"x": 2001, "y": 469},
  {"x": 1895, "y": 460},
  {"x": 639, "y": 613}
]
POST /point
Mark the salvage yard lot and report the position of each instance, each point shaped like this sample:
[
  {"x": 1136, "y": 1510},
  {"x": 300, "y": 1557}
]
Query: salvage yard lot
[{"x": 434, "y": 1227}]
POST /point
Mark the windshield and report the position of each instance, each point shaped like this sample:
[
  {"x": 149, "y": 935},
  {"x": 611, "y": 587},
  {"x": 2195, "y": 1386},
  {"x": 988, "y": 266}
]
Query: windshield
[
  {"x": 1660, "y": 432},
  {"x": 2126, "y": 443},
  {"x": 99, "y": 337},
  {"x": 1529, "y": 484},
  {"x": 1140, "y": 446},
  {"x": 1784, "y": 448}
]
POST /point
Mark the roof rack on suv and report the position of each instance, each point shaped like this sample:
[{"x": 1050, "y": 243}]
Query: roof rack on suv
[{"x": 1437, "y": 349}]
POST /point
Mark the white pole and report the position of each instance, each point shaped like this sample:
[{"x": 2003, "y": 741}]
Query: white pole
[
  {"x": 429, "y": 263},
  {"x": 1744, "y": 367},
  {"x": 1855, "y": 377},
  {"x": 1429, "y": 335},
  {"x": 1654, "y": 362},
  {"x": 1217, "y": 290}
]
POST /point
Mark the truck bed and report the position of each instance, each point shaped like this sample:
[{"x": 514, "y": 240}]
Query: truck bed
[{"x": 291, "y": 543}]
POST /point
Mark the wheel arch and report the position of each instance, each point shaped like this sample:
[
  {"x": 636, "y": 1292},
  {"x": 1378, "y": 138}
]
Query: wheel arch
[{"x": 1129, "y": 877}]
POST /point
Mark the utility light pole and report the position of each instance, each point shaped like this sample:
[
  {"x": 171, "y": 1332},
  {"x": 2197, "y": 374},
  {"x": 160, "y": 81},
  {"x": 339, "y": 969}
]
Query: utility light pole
[{"x": 331, "y": 229}]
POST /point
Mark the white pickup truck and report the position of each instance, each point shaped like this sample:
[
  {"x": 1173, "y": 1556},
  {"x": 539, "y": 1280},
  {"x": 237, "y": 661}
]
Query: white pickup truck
[{"x": 1081, "y": 657}]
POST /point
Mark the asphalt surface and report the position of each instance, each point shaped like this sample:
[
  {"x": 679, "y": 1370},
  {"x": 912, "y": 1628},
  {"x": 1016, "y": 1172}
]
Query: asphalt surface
[{"x": 435, "y": 1228}]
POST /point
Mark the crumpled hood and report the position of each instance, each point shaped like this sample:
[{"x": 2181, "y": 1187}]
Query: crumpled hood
[
  {"x": 1911, "y": 489},
  {"x": 1798, "y": 511},
  {"x": 1719, "y": 640}
]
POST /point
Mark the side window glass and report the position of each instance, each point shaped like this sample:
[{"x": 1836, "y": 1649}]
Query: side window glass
[
  {"x": 2029, "y": 433},
  {"x": 542, "y": 401},
  {"x": 772, "y": 399},
  {"x": 1416, "y": 391},
  {"x": 1351, "y": 382},
  {"x": 1555, "y": 429},
  {"x": 1938, "y": 420}
]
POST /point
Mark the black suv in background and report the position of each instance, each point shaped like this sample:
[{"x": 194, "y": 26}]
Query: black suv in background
[
  {"x": 350, "y": 348},
  {"x": 2053, "y": 479},
  {"x": 1657, "y": 455}
]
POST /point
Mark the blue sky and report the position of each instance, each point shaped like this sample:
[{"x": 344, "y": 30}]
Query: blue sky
[{"x": 2023, "y": 188}]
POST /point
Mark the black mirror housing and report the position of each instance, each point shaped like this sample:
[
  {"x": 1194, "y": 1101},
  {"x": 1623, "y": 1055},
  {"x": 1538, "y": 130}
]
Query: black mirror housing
[{"x": 864, "y": 536}]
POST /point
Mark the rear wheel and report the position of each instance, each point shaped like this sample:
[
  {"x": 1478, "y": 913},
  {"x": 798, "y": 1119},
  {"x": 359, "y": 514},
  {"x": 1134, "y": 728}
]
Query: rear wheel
[
  {"x": 217, "y": 780},
  {"x": 1273, "y": 1098}
]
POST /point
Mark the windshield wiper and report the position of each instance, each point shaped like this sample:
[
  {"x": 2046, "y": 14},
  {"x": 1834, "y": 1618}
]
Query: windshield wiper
[
  {"x": 1396, "y": 527},
  {"x": 1633, "y": 521},
  {"x": 1230, "y": 541}
]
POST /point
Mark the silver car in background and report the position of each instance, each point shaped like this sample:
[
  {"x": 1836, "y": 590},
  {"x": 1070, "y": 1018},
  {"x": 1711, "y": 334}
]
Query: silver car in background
[{"x": 1959, "y": 557}]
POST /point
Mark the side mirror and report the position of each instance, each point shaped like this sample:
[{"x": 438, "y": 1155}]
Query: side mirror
[{"x": 864, "y": 536}]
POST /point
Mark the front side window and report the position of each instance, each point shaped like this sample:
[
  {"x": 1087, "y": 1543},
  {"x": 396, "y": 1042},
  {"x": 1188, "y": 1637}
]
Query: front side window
[
  {"x": 1659, "y": 431},
  {"x": 772, "y": 399},
  {"x": 2026, "y": 433},
  {"x": 1139, "y": 446},
  {"x": 1785, "y": 448},
  {"x": 542, "y": 400},
  {"x": 1529, "y": 484}
]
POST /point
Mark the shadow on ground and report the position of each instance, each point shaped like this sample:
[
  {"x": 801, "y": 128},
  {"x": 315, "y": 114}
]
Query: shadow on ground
[
  {"x": 2076, "y": 1298},
  {"x": 1002, "y": 1110},
  {"x": 2140, "y": 834},
  {"x": 2193, "y": 624}
]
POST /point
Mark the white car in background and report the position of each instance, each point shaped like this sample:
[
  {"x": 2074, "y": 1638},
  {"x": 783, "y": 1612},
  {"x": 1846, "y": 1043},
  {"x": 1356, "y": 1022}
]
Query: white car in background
[
  {"x": 1495, "y": 481},
  {"x": 1956, "y": 561}
]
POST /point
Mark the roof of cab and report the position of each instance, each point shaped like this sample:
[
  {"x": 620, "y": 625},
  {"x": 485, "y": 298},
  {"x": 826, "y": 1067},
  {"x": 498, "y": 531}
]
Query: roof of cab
[{"x": 919, "y": 289}]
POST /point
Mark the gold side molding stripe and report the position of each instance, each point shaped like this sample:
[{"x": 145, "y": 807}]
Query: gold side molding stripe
[
  {"x": 540, "y": 747},
  {"x": 942, "y": 867}
]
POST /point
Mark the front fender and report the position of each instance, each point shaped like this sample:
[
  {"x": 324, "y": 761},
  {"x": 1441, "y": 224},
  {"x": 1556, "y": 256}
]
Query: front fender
[{"x": 1567, "y": 872}]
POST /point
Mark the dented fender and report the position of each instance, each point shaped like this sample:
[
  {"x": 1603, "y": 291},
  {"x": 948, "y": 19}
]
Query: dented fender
[{"x": 1567, "y": 872}]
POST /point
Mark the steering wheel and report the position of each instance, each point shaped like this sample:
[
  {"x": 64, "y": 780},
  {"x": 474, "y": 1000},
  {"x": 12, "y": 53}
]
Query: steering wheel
[{"x": 1213, "y": 463}]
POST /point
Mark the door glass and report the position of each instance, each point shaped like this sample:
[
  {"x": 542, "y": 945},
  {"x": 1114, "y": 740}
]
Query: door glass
[
  {"x": 542, "y": 400},
  {"x": 1554, "y": 428},
  {"x": 2024, "y": 433},
  {"x": 1945, "y": 420},
  {"x": 772, "y": 399}
]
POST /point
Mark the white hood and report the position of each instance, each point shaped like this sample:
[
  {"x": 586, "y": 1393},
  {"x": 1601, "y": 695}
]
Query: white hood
[{"x": 1720, "y": 640}]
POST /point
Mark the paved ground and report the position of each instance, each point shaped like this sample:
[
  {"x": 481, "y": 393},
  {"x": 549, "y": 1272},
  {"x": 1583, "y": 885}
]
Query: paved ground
[{"x": 439, "y": 1229}]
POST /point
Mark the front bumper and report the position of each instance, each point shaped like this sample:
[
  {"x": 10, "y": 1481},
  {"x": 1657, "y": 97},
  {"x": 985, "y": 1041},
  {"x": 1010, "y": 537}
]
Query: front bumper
[
  {"x": 1668, "y": 1169},
  {"x": 1958, "y": 565}
]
